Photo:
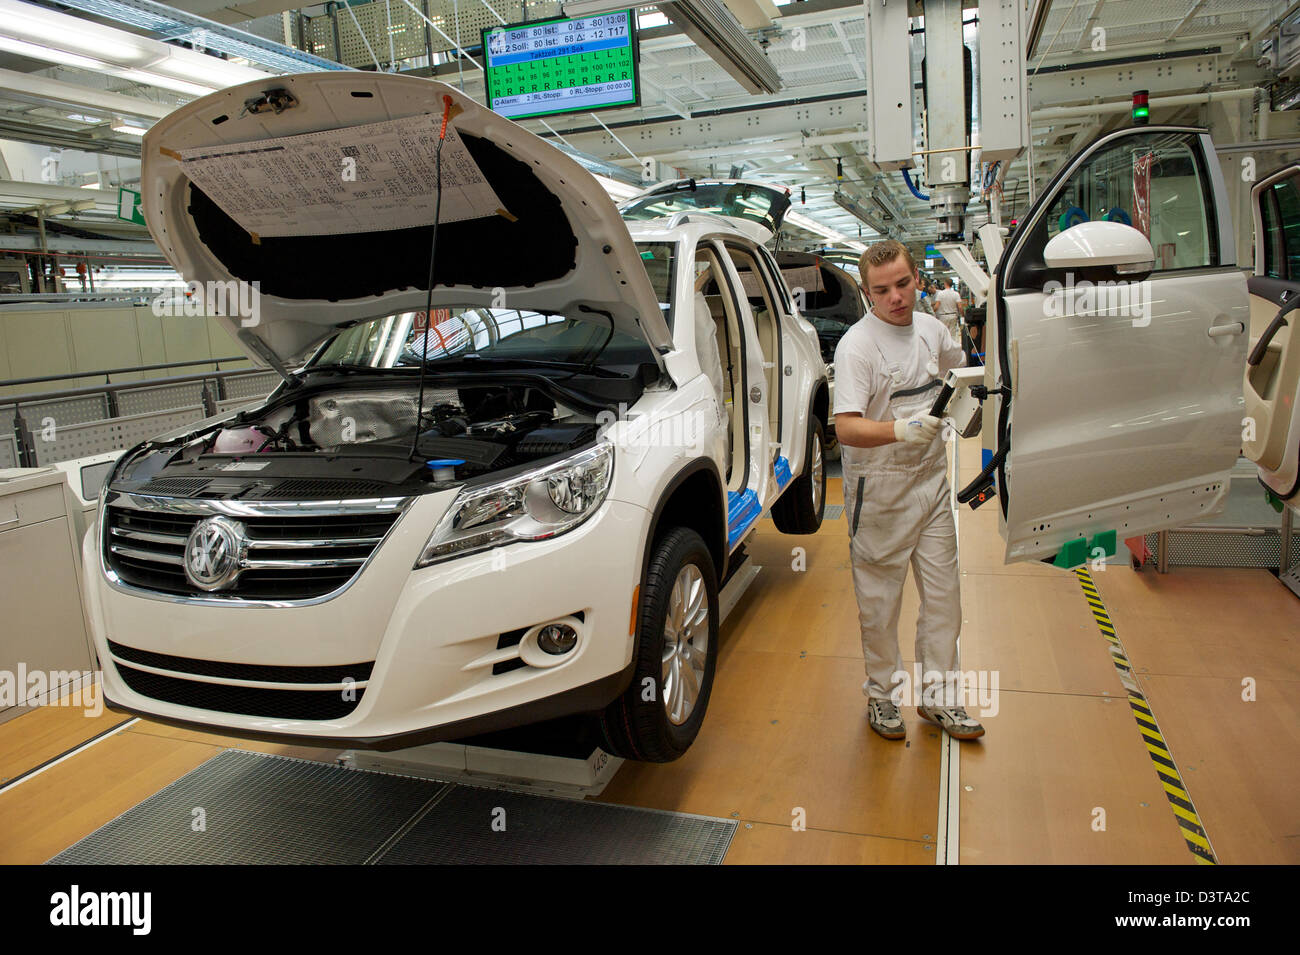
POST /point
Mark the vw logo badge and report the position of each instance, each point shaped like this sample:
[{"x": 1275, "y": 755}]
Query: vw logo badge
[{"x": 214, "y": 553}]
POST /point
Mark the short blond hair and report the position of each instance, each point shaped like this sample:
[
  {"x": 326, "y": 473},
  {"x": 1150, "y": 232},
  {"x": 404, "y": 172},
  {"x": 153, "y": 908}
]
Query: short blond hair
[{"x": 882, "y": 253}]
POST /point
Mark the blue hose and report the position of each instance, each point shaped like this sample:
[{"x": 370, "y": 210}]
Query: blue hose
[{"x": 911, "y": 186}]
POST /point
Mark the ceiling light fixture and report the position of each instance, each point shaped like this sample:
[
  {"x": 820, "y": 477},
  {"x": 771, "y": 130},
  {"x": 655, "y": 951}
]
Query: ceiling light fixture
[{"x": 70, "y": 41}]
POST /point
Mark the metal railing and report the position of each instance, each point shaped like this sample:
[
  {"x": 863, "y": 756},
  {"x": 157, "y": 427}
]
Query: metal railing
[
  {"x": 109, "y": 372},
  {"x": 91, "y": 419}
]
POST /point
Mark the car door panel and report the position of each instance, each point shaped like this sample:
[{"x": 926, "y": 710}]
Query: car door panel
[
  {"x": 745, "y": 506},
  {"x": 1106, "y": 433},
  {"x": 1271, "y": 435},
  {"x": 1125, "y": 400}
]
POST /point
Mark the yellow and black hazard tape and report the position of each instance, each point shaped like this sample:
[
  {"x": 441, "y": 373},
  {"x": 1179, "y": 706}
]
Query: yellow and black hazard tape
[{"x": 1179, "y": 800}]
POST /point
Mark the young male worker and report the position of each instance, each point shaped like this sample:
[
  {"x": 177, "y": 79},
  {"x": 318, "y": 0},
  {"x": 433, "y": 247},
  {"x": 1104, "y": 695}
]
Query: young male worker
[{"x": 888, "y": 368}]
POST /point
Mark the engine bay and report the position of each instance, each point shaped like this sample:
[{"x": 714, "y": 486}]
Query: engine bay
[{"x": 358, "y": 441}]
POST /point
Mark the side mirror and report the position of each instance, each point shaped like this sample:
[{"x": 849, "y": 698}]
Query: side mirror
[{"x": 1111, "y": 245}]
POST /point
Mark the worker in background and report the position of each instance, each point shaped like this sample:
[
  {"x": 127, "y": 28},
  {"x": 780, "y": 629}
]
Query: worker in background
[
  {"x": 888, "y": 369},
  {"x": 925, "y": 301},
  {"x": 948, "y": 308}
]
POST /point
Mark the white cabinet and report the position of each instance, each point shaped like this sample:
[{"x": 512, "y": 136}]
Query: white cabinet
[{"x": 44, "y": 649}]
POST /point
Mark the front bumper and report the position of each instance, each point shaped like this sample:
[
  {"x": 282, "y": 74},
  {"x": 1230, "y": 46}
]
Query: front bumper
[{"x": 432, "y": 646}]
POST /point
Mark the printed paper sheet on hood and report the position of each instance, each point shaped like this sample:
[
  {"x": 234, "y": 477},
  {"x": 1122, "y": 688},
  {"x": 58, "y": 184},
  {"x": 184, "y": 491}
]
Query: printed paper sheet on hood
[{"x": 358, "y": 179}]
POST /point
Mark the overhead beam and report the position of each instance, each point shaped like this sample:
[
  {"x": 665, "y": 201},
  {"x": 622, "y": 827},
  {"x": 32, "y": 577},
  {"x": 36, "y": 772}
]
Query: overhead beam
[
  {"x": 57, "y": 208},
  {"x": 665, "y": 98},
  {"x": 42, "y": 91},
  {"x": 17, "y": 195}
]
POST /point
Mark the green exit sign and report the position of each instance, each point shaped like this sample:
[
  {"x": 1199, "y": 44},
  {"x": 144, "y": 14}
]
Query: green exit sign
[{"x": 129, "y": 208}]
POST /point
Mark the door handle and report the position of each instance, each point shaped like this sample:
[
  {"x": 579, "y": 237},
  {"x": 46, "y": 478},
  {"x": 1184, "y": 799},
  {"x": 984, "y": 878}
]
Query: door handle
[{"x": 1232, "y": 328}]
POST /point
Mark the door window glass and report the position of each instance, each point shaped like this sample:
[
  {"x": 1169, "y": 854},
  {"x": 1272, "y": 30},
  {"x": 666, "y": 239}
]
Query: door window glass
[
  {"x": 1156, "y": 182},
  {"x": 1280, "y": 206}
]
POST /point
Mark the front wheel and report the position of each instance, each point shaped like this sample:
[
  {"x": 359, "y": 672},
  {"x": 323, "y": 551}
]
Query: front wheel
[
  {"x": 799, "y": 510},
  {"x": 659, "y": 715}
]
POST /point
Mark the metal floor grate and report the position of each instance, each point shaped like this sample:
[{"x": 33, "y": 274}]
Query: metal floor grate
[
  {"x": 262, "y": 809},
  {"x": 546, "y": 830},
  {"x": 258, "y": 810}
]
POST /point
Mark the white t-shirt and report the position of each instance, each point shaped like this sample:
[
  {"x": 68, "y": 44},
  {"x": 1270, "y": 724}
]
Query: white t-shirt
[
  {"x": 875, "y": 359},
  {"x": 945, "y": 303}
]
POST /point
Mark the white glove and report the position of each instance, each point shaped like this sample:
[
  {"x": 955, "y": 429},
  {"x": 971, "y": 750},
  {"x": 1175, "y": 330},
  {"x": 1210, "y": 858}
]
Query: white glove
[{"x": 918, "y": 429}]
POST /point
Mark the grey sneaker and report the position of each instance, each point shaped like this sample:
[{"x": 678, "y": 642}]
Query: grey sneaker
[
  {"x": 954, "y": 721},
  {"x": 883, "y": 717}
]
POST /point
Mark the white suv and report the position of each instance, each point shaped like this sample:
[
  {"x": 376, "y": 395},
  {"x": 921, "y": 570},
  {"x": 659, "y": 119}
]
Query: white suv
[{"x": 538, "y": 525}]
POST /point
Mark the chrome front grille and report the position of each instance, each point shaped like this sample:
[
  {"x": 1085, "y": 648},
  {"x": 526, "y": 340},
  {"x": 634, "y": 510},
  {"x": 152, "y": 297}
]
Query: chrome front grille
[{"x": 289, "y": 550}]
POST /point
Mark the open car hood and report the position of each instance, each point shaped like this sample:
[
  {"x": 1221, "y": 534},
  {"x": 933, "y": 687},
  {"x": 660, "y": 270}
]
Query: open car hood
[
  {"x": 335, "y": 228},
  {"x": 757, "y": 207}
]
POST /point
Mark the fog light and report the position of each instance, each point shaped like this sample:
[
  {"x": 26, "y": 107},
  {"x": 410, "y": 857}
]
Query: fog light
[{"x": 557, "y": 638}]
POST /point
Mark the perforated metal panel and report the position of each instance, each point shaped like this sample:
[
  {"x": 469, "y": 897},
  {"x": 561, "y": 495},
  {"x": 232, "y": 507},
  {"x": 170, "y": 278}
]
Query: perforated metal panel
[
  {"x": 1189, "y": 549},
  {"x": 8, "y": 452},
  {"x": 318, "y": 36},
  {"x": 232, "y": 403},
  {"x": 159, "y": 398},
  {"x": 407, "y": 32},
  {"x": 83, "y": 440},
  {"x": 67, "y": 411},
  {"x": 462, "y": 22},
  {"x": 256, "y": 385}
]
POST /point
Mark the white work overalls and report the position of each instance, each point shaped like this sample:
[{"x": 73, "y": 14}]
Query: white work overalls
[{"x": 896, "y": 505}]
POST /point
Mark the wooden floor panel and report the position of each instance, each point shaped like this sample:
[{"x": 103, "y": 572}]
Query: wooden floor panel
[
  {"x": 761, "y": 844},
  {"x": 1037, "y": 633},
  {"x": 49, "y": 812},
  {"x": 1201, "y": 621},
  {"x": 773, "y": 761},
  {"x": 1237, "y": 760},
  {"x": 46, "y": 732},
  {"x": 1031, "y": 787}
]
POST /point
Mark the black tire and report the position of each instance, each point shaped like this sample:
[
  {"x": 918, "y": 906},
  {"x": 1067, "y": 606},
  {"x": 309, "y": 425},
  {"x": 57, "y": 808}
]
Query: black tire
[
  {"x": 637, "y": 727},
  {"x": 798, "y": 510}
]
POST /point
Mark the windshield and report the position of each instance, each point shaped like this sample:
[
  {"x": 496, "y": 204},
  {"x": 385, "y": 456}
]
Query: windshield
[
  {"x": 765, "y": 205},
  {"x": 457, "y": 334}
]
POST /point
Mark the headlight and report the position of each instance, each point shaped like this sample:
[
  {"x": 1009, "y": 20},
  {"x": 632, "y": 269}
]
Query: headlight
[{"x": 533, "y": 506}]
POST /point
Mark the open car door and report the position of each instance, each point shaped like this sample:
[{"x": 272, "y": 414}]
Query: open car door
[
  {"x": 1271, "y": 430},
  {"x": 1118, "y": 336}
]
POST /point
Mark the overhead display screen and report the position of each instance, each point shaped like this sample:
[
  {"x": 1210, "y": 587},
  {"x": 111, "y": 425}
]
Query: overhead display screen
[{"x": 562, "y": 65}]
